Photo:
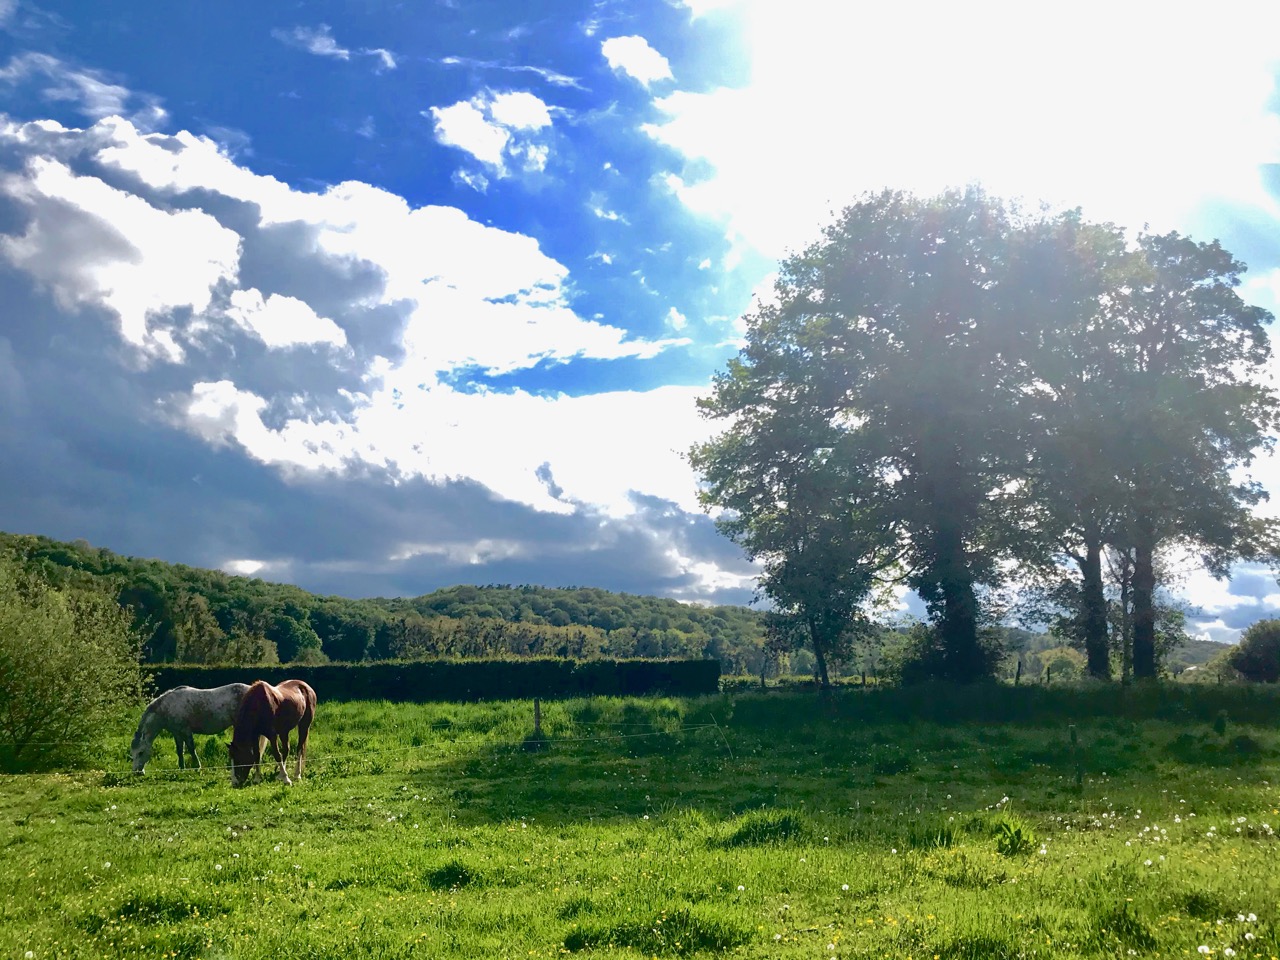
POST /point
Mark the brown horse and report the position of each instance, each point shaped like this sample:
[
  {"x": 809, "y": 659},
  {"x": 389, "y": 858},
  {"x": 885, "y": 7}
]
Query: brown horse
[{"x": 269, "y": 713}]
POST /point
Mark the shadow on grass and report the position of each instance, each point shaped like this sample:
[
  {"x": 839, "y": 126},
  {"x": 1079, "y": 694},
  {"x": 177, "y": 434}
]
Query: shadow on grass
[
  {"x": 681, "y": 931},
  {"x": 607, "y": 759}
]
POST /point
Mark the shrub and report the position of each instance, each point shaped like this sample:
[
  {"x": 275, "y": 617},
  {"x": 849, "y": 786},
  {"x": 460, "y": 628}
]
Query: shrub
[
  {"x": 68, "y": 662},
  {"x": 924, "y": 658},
  {"x": 1257, "y": 657}
]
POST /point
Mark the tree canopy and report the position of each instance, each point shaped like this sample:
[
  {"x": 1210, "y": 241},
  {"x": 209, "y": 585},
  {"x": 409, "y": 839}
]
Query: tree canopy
[{"x": 977, "y": 393}]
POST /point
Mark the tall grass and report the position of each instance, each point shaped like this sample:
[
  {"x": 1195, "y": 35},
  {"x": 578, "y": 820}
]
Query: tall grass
[{"x": 763, "y": 825}]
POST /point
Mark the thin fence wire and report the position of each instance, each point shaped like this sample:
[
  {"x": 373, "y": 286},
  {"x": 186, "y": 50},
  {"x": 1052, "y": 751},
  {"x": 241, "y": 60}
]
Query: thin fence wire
[{"x": 500, "y": 747}]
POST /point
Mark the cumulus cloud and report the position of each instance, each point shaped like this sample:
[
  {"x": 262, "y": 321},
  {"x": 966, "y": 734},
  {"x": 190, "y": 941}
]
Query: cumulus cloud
[
  {"x": 188, "y": 247},
  {"x": 244, "y": 357},
  {"x": 634, "y": 57},
  {"x": 88, "y": 242},
  {"x": 465, "y": 126},
  {"x": 282, "y": 321},
  {"x": 496, "y": 128},
  {"x": 1225, "y": 608}
]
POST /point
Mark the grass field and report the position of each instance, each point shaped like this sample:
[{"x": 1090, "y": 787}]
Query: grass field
[{"x": 761, "y": 825}]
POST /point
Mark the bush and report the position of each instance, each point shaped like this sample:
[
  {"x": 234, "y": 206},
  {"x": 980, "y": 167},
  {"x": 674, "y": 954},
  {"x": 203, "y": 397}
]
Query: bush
[
  {"x": 68, "y": 662},
  {"x": 1257, "y": 657},
  {"x": 924, "y": 658}
]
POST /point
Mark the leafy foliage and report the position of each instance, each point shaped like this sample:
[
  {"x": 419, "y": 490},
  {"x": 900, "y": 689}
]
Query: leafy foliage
[
  {"x": 68, "y": 662},
  {"x": 977, "y": 393},
  {"x": 1257, "y": 657}
]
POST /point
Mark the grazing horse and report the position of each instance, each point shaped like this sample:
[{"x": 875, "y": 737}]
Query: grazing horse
[
  {"x": 185, "y": 711},
  {"x": 269, "y": 713}
]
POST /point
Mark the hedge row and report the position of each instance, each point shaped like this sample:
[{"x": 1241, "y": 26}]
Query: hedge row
[{"x": 423, "y": 681}]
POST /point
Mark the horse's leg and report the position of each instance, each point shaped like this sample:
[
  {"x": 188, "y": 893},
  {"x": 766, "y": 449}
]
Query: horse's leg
[
  {"x": 304, "y": 727},
  {"x": 257, "y": 766},
  {"x": 280, "y": 750},
  {"x": 177, "y": 742}
]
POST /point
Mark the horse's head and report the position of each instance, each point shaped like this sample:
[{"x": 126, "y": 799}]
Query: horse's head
[
  {"x": 244, "y": 757},
  {"x": 139, "y": 753}
]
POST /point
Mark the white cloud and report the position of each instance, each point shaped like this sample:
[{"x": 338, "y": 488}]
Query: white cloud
[
  {"x": 495, "y": 128},
  {"x": 95, "y": 96},
  {"x": 91, "y": 243},
  {"x": 1263, "y": 289},
  {"x": 702, "y": 8},
  {"x": 224, "y": 415},
  {"x": 243, "y": 568},
  {"x": 469, "y": 178},
  {"x": 987, "y": 93},
  {"x": 597, "y": 206},
  {"x": 519, "y": 110},
  {"x": 318, "y": 41},
  {"x": 600, "y": 447},
  {"x": 321, "y": 42},
  {"x": 464, "y": 125},
  {"x": 676, "y": 320},
  {"x": 282, "y": 321},
  {"x": 550, "y": 76},
  {"x": 469, "y": 295},
  {"x": 386, "y": 58},
  {"x": 634, "y": 57}
]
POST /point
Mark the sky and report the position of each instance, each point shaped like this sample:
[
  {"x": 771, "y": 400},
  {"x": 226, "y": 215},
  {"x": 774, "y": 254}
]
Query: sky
[{"x": 377, "y": 298}]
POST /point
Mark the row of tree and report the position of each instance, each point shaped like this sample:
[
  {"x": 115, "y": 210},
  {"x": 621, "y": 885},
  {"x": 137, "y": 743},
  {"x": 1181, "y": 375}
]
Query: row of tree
[
  {"x": 954, "y": 395},
  {"x": 191, "y": 615},
  {"x": 188, "y": 615}
]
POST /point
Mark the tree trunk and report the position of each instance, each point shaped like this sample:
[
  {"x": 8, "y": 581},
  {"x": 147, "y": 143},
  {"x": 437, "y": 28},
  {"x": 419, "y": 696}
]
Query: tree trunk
[
  {"x": 1126, "y": 621},
  {"x": 958, "y": 630},
  {"x": 1094, "y": 614},
  {"x": 1144, "y": 614},
  {"x": 818, "y": 642}
]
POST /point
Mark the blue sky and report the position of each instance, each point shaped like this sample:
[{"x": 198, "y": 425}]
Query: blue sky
[{"x": 378, "y": 298}]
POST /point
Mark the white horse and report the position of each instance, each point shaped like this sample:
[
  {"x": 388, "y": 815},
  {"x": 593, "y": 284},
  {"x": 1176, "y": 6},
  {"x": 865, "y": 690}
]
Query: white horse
[{"x": 185, "y": 711}]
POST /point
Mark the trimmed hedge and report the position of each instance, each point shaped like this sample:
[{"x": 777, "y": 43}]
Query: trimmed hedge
[{"x": 424, "y": 681}]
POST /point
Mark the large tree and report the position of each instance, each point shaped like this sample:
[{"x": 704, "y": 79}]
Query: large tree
[
  {"x": 906, "y": 331},
  {"x": 1195, "y": 413},
  {"x": 1076, "y": 455},
  {"x": 794, "y": 499}
]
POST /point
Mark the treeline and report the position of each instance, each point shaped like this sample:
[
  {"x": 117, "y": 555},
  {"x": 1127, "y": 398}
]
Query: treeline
[
  {"x": 197, "y": 616},
  {"x": 192, "y": 615}
]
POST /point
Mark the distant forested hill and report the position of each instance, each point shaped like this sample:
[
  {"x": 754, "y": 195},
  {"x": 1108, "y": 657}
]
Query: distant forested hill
[
  {"x": 206, "y": 616},
  {"x": 193, "y": 615}
]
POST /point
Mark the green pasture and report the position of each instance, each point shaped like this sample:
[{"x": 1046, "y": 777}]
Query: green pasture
[{"x": 749, "y": 824}]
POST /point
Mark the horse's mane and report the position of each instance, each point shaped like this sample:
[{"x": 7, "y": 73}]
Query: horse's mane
[
  {"x": 147, "y": 715},
  {"x": 248, "y": 710}
]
